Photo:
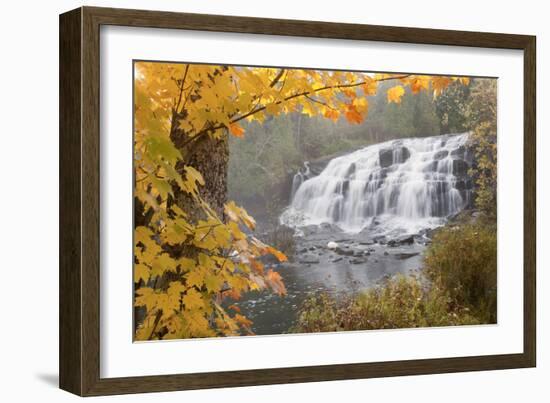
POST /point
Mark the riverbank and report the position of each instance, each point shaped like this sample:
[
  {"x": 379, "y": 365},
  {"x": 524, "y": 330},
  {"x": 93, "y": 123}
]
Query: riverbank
[{"x": 329, "y": 260}]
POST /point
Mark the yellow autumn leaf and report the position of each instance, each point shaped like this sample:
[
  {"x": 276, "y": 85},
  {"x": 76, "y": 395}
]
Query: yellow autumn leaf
[
  {"x": 141, "y": 272},
  {"x": 395, "y": 93},
  {"x": 192, "y": 300}
]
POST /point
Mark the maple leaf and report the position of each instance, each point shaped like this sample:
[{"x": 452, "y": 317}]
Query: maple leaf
[
  {"x": 192, "y": 300},
  {"x": 419, "y": 83},
  {"x": 281, "y": 257},
  {"x": 353, "y": 116},
  {"x": 332, "y": 114},
  {"x": 242, "y": 320},
  {"x": 141, "y": 272},
  {"x": 236, "y": 130},
  {"x": 275, "y": 281},
  {"x": 439, "y": 83},
  {"x": 236, "y": 213},
  {"x": 395, "y": 93},
  {"x": 194, "y": 177}
]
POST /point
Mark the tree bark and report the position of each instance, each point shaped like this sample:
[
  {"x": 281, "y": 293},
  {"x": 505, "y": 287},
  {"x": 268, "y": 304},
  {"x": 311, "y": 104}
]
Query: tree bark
[{"x": 209, "y": 156}]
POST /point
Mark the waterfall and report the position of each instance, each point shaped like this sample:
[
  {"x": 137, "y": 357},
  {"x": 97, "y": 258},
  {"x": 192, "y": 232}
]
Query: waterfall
[
  {"x": 403, "y": 185},
  {"x": 299, "y": 178}
]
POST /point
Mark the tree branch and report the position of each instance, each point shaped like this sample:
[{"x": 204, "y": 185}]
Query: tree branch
[
  {"x": 277, "y": 78},
  {"x": 288, "y": 98},
  {"x": 319, "y": 102},
  {"x": 181, "y": 88}
]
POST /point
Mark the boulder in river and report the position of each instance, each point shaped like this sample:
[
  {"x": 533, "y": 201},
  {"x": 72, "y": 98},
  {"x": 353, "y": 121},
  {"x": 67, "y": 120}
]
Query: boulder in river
[
  {"x": 403, "y": 240},
  {"x": 403, "y": 256},
  {"x": 309, "y": 259},
  {"x": 344, "y": 252},
  {"x": 358, "y": 261},
  {"x": 332, "y": 245}
]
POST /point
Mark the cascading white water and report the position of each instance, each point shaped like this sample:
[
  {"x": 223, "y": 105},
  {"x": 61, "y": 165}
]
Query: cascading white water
[
  {"x": 299, "y": 178},
  {"x": 400, "y": 186}
]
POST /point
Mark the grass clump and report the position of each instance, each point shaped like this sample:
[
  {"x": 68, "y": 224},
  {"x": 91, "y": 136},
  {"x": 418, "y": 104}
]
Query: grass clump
[
  {"x": 463, "y": 260},
  {"x": 403, "y": 302}
]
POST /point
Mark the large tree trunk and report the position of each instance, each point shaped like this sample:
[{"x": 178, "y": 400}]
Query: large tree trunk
[{"x": 210, "y": 157}]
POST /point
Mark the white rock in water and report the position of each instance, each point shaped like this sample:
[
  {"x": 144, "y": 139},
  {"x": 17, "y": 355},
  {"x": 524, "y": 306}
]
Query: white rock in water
[{"x": 332, "y": 245}]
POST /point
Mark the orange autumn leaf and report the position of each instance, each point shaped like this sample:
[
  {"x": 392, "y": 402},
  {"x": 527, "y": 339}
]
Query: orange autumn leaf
[
  {"x": 419, "y": 83},
  {"x": 353, "y": 116},
  {"x": 281, "y": 257},
  {"x": 332, "y": 114},
  {"x": 242, "y": 320},
  {"x": 439, "y": 83},
  {"x": 236, "y": 130},
  {"x": 275, "y": 281}
]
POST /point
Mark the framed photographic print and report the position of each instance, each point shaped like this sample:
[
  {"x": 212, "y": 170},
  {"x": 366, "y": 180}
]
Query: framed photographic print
[{"x": 250, "y": 201}]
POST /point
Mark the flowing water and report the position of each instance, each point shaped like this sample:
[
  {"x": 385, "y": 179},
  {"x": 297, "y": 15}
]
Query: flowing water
[
  {"x": 377, "y": 204},
  {"x": 405, "y": 185}
]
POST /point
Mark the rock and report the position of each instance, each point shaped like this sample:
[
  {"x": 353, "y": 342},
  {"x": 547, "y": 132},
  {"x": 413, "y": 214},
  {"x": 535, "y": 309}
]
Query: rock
[
  {"x": 403, "y": 256},
  {"x": 310, "y": 229},
  {"x": 389, "y": 156},
  {"x": 429, "y": 233},
  {"x": 338, "y": 259},
  {"x": 332, "y": 245},
  {"x": 458, "y": 152},
  {"x": 351, "y": 170},
  {"x": 386, "y": 253},
  {"x": 460, "y": 168},
  {"x": 380, "y": 239},
  {"x": 345, "y": 187},
  {"x": 328, "y": 227},
  {"x": 385, "y": 157},
  {"x": 357, "y": 261},
  {"x": 440, "y": 154},
  {"x": 309, "y": 260},
  {"x": 431, "y": 167},
  {"x": 343, "y": 252},
  {"x": 402, "y": 154},
  {"x": 404, "y": 240}
]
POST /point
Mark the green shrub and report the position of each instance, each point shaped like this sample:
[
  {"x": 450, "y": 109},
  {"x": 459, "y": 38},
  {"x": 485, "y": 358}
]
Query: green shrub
[
  {"x": 403, "y": 302},
  {"x": 462, "y": 259}
]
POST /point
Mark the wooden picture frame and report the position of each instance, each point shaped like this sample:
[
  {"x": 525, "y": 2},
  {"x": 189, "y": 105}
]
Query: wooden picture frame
[{"x": 80, "y": 185}]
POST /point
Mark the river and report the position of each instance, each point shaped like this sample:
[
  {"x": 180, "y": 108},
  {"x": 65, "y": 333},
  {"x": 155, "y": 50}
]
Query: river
[{"x": 367, "y": 216}]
